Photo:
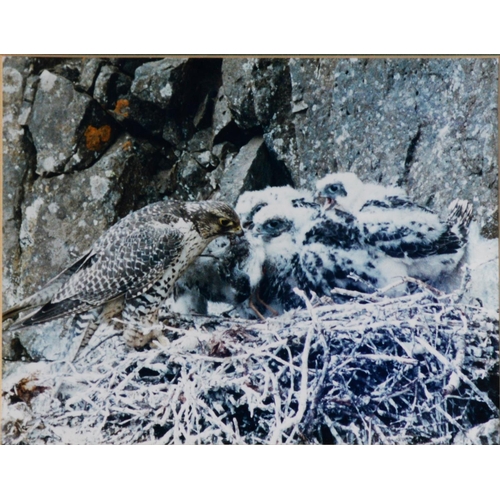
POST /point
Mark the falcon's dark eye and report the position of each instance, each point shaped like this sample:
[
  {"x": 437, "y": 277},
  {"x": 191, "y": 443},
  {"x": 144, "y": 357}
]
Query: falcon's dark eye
[{"x": 225, "y": 222}]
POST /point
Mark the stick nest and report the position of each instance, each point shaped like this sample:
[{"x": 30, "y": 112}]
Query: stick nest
[{"x": 422, "y": 368}]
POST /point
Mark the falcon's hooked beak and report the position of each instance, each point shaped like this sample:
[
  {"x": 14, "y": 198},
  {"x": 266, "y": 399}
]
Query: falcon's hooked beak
[{"x": 235, "y": 233}]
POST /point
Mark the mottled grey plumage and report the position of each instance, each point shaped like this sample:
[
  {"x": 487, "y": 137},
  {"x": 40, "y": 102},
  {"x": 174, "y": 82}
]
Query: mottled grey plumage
[{"x": 133, "y": 266}]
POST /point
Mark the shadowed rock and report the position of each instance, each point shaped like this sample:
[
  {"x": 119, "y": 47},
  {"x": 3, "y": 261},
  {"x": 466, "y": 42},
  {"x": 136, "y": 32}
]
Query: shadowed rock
[{"x": 252, "y": 169}]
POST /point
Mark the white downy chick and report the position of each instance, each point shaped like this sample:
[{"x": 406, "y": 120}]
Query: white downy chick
[{"x": 250, "y": 202}]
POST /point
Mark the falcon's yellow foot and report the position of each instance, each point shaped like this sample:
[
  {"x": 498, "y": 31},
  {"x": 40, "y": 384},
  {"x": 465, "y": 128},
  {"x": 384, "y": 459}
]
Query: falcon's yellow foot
[{"x": 140, "y": 337}]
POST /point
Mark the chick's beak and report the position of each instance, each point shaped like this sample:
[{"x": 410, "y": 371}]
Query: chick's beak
[
  {"x": 329, "y": 203},
  {"x": 325, "y": 202}
]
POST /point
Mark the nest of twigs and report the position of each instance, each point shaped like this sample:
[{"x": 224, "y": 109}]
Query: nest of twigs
[{"x": 422, "y": 368}]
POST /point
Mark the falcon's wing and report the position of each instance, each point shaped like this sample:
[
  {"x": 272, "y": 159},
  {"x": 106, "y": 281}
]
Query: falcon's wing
[
  {"x": 335, "y": 234},
  {"x": 393, "y": 202},
  {"x": 129, "y": 266},
  {"x": 447, "y": 243},
  {"x": 423, "y": 236}
]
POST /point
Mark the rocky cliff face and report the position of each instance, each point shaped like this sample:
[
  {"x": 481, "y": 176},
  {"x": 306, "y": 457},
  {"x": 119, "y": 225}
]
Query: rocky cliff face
[{"x": 87, "y": 140}]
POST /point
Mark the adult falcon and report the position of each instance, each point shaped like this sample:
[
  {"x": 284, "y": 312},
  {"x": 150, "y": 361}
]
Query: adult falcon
[{"x": 130, "y": 268}]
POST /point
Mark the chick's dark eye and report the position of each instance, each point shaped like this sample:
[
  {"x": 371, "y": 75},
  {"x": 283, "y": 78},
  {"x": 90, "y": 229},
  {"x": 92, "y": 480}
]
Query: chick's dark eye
[
  {"x": 335, "y": 190},
  {"x": 273, "y": 224}
]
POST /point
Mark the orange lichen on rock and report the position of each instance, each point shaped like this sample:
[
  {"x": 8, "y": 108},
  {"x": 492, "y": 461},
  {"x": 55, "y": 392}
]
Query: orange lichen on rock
[
  {"x": 96, "y": 138},
  {"x": 127, "y": 146},
  {"x": 121, "y": 107}
]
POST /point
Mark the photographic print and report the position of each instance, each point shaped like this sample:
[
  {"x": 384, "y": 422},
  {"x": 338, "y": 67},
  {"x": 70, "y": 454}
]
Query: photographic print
[{"x": 250, "y": 250}]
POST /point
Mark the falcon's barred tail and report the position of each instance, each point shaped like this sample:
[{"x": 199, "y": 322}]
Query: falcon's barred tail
[
  {"x": 49, "y": 312},
  {"x": 45, "y": 295},
  {"x": 36, "y": 300},
  {"x": 460, "y": 217}
]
